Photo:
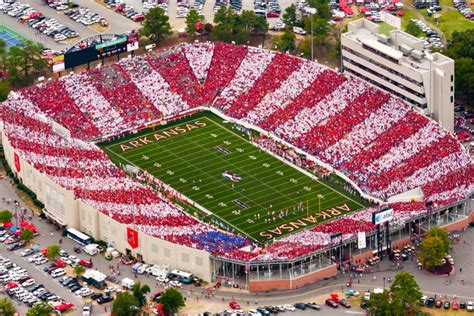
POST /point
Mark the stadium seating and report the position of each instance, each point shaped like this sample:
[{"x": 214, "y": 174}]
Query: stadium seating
[{"x": 373, "y": 138}]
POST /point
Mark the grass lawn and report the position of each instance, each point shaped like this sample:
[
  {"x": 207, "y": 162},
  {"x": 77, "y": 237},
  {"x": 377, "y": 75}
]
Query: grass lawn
[
  {"x": 452, "y": 21},
  {"x": 191, "y": 155}
]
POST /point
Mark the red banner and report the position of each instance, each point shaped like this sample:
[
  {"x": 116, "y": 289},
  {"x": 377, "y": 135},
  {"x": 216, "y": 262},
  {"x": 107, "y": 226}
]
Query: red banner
[
  {"x": 17, "y": 162},
  {"x": 132, "y": 237}
]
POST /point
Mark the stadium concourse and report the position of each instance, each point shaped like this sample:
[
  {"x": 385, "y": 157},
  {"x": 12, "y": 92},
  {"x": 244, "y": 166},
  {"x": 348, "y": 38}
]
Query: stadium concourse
[{"x": 369, "y": 136}]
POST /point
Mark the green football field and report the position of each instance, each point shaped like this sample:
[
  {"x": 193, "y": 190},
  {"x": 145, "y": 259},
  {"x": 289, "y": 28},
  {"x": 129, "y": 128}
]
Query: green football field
[{"x": 271, "y": 200}]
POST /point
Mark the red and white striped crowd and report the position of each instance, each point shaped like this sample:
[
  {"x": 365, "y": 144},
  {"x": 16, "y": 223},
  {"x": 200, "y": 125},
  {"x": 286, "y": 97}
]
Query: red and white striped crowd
[{"x": 373, "y": 138}]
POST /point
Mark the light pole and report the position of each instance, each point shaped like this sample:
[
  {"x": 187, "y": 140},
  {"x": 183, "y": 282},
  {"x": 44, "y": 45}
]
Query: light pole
[
  {"x": 311, "y": 11},
  {"x": 384, "y": 283}
]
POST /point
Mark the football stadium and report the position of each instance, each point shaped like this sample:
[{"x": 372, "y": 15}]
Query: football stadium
[{"x": 241, "y": 165}]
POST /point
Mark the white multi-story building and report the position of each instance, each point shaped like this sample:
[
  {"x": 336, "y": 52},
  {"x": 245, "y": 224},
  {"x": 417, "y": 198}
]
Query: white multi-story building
[{"x": 396, "y": 63}]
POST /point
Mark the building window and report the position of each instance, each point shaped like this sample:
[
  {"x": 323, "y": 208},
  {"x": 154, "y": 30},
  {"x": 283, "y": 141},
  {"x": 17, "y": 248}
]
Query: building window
[
  {"x": 167, "y": 252},
  {"x": 452, "y": 99},
  {"x": 154, "y": 248},
  {"x": 452, "y": 78},
  {"x": 452, "y": 88},
  {"x": 185, "y": 257}
]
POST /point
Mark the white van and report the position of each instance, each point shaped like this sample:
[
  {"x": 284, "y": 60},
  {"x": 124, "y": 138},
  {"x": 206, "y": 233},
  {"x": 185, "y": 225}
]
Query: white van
[
  {"x": 57, "y": 273},
  {"x": 91, "y": 249},
  {"x": 128, "y": 283}
]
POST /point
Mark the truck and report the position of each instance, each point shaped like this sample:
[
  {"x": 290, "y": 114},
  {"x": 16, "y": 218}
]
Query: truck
[
  {"x": 128, "y": 283},
  {"x": 159, "y": 271},
  {"x": 92, "y": 249}
]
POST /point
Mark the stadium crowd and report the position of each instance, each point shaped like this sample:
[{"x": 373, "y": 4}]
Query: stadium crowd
[{"x": 369, "y": 136}]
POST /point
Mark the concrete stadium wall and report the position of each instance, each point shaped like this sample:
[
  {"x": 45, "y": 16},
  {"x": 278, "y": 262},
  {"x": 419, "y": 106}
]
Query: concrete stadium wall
[
  {"x": 293, "y": 284},
  {"x": 76, "y": 214}
]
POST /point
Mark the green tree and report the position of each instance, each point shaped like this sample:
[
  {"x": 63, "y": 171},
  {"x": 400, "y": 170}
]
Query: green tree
[
  {"x": 461, "y": 49},
  {"x": 3, "y": 54},
  {"x": 5, "y": 216},
  {"x": 322, "y": 7},
  {"x": 413, "y": 29},
  {"x": 41, "y": 309},
  {"x": 290, "y": 17},
  {"x": 230, "y": 26},
  {"x": 442, "y": 233},
  {"x": 320, "y": 28},
  {"x": 156, "y": 25},
  {"x": 192, "y": 19},
  {"x": 6, "y": 307},
  {"x": 405, "y": 293},
  {"x": 172, "y": 300},
  {"x": 431, "y": 252},
  {"x": 4, "y": 90},
  {"x": 53, "y": 252},
  {"x": 79, "y": 270},
  {"x": 379, "y": 304},
  {"x": 284, "y": 42},
  {"x": 139, "y": 292},
  {"x": 125, "y": 304},
  {"x": 26, "y": 56},
  {"x": 26, "y": 235}
]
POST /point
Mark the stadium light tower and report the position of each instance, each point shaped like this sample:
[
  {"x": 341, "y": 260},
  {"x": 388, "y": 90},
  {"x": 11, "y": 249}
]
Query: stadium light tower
[{"x": 311, "y": 11}]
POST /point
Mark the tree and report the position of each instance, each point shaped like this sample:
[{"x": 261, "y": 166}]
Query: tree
[
  {"x": 192, "y": 19},
  {"x": 405, "y": 293},
  {"x": 27, "y": 235},
  {"x": 461, "y": 49},
  {"x": 285, "y": 42},
  {"x": 320, "y": 28},
  {"x": 26, "y": 56},
  {"x": 53, "y": 252},
  {"x": 431, "y": 252},
  {"x": 139, "y": 293},
  {"x": 172, "y": 300},
  {"x": 290, "y": 17},
  {"x": 156, "y": 25},
  {"x": 6, "y": 307},
  {"x": 4, "y": 90},
  {"x": 237, "y": 28},
  {"x": 41, "y": 309},
  {"x": 413, "y": 29},
  {"x": 3, "y": 54},
  {"x": 5, "y": 216},
  {"x": 442, "y": 233},
  {"x": 379, "y": 304},
  {"x": 125, "y": 304},
  {"x": 79, "y": 270}
]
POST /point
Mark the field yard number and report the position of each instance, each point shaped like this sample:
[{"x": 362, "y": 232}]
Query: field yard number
[
  {"x": 183, "y": 180},
  {"x": 279, "y": 173},
  {"x": 253, "y": 157},
  {"x": 145, "y": 157},
  {"x": 213, "y": 135},
  {"x": 195, "y": 188},
  {"x": 265, "y": 165},
  {"x": 236, "y": 212},
  {"x": 250, "y": 221},
  {"x": 227, "y": 142},
  {"x": 169, "y": 172},
  {"x": 157, "y": 165},
  {"x": 307, "y": 188},
  {"x": 209, "y": 196},
  {"x": 293, "y": 180},
  {"x": 240, "y": 150},
  {"x": 222, "y": 204}
]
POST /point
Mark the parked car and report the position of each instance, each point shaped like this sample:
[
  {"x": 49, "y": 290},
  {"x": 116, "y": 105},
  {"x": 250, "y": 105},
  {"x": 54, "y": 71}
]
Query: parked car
[{"x": 331, "y": 303}]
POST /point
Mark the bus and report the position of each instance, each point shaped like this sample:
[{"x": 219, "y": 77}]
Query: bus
[
  {"x": 77, "y": 236},
  {"x": 181, "y": 276}
]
